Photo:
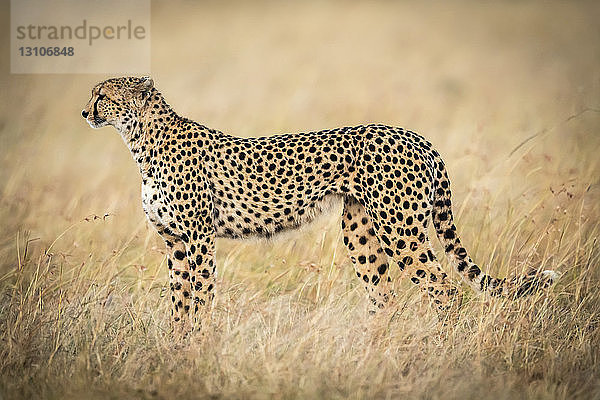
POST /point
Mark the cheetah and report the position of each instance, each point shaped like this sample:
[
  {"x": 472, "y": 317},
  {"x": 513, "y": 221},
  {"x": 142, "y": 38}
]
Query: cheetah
[{"x": 199, "y": 184}]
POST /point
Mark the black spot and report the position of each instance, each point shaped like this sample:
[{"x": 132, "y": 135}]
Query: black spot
[
  {"x": 473, "y": 272},
  {"x": 461, "y": 253},
  {"x": 449, "y": 234},
  {"x": 485, "y": 281}
]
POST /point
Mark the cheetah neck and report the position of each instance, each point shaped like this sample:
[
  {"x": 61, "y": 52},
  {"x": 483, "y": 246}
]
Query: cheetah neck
[{"x": 146, "y": 129}]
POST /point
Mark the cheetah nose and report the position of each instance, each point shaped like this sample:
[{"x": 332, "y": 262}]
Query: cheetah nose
[{"x": 85, "y": 113}]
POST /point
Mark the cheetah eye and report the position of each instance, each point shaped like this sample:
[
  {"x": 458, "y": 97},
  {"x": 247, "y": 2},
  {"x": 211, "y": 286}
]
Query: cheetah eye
[{"x": 101, "y": 97}]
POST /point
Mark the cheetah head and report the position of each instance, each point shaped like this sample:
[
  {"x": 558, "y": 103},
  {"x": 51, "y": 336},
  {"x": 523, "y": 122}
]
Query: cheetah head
[{"x": 118, "y": 102}]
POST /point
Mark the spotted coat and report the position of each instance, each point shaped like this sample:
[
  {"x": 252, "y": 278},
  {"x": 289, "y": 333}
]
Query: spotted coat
[{"x": 199, "y": 184}]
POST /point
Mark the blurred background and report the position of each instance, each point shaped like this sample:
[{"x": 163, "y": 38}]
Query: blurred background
[{"x": 508, "y": 92}]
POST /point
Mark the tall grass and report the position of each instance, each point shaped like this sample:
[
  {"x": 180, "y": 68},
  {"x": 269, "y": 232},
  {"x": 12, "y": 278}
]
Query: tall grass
[{"x": 509, "y": 94}]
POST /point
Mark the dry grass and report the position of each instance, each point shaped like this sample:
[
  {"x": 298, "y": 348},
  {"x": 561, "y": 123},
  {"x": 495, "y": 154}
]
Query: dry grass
[{"x": 82, "y": 276}]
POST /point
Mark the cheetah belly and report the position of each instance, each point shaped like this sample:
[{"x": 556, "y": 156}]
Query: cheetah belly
[{"x": 251, "y": 220}]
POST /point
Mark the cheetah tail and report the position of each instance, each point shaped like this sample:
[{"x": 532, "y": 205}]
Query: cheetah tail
[{"x": 443, "y": 222}]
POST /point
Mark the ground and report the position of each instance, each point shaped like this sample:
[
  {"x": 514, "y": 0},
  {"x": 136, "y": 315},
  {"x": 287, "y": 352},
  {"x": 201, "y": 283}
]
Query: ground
[{"x": 509, "y": 93}]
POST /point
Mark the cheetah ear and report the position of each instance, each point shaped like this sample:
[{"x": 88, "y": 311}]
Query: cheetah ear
[{"x": 146, "y": 84}]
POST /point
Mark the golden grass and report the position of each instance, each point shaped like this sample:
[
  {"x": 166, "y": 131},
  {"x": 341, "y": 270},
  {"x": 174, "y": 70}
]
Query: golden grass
[{"x": 502, "y": 91}]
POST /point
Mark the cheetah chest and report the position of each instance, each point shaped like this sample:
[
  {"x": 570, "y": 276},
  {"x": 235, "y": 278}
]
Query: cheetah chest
[{"x": 154, "y": 205}]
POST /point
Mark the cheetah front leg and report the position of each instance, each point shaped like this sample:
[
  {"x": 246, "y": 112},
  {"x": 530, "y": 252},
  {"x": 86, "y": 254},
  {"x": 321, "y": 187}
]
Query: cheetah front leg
[
  {"x": 180, "y": 287},
  {"x": 200, "y": 254}
]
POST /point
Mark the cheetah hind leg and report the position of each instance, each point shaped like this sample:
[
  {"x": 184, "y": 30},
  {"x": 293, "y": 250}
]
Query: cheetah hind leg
[
  {"x": 370, "y": 262},
  {"x": 406, "y": 242}
]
